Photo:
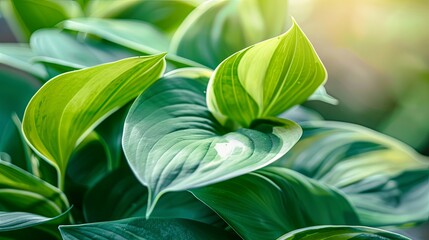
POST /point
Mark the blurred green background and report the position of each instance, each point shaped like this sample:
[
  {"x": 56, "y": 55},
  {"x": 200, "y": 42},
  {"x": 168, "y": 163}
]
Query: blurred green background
[{"x": 377, "y": 57}]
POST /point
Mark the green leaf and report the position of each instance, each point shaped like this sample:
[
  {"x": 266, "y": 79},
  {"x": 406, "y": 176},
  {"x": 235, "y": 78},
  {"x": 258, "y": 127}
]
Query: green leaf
[
  {"x": 70, "y": 105},
  {"x": 20, "y": 56},
  {"x": 321, "y": 95},
  {"x": 60, "y": 51},
  {"x": 341, "y": 233},
  {"x": 269, "y": 202},
  {"x": 386, "y": 181},
  {"x": 139, "y": 228},
  {"x": 21, "y": 191},
  {"x": 265, "y": 79},
  {"x": 89, "y": 163},
  {"x": 16, "y": 89},
  {"x": 27, "y": 16},
  {"x": 166, "y": 15},
  {"x": 10, "y": 221},
  {"x": 135, "y": 35},
  {"x": 173, "y": 143},
  {"x": 217, "y": 29},
  {"x": 120, "y": 195}
]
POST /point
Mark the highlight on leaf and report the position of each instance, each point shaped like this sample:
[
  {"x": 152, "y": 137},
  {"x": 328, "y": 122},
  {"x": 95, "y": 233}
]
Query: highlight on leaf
[
  {"x": 70, "y": 105},
  {"x": 265, "y": 79},
  {"x": 173, "y": 143}
]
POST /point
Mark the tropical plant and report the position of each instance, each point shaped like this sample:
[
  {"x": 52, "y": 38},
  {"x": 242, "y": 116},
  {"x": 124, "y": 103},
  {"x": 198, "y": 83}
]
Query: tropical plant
[{"x": 155, "y": 128}]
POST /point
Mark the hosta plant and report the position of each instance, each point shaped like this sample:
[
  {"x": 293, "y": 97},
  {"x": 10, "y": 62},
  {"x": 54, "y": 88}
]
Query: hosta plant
[{"x": 141, "y": 129}]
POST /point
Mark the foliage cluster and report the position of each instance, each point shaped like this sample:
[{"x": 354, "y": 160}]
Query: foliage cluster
[{"x": 184, "y": 122}]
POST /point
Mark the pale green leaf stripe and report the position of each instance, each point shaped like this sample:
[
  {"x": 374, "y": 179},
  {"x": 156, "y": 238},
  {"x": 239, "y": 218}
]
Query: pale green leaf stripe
[
  {"x": 70, "y": 105},
  {"x": 265, "y": 204},
  {"x": 339, "y": 232},
  {"x": 142, "y": 229},
  {"x": 23, "y": 183},
  {"x": 386, "y": 181},
  {"x": 10, "y": 221},
  {"x": 173, "y": 143},
  {"x": 265, "y": 79}
]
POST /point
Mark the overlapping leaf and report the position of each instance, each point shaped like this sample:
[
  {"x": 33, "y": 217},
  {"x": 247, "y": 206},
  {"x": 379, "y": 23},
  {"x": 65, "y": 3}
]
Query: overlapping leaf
[
  {"x": 341, "y": 233},
  {"x": 166, "y": 15},
  {"x": 142, "y": 229},
  {"x": 217, "y": 29},
  {"x": 135, "y": 35},
  {"x": 120, "y": 195},
  {"x": 269, "y": 202},
  {"x": 61, "y": 52},
  {"x": 265, "y": 79},
  {"x": 21, "y": 191},
  {"x": 386, "y": 181},
  {"x": 67, "y": 107},
  {"x": 173, "y": 143},
  {"x": 10, "y": 221},
  {"x": 19, "y": 56}
]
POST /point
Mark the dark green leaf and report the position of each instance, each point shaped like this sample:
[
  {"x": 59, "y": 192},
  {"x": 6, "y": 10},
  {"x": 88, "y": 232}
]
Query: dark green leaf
[
  {"x": 269, "y": 202},
  {"x": 120, "y": 195},
  {"x": 141, "y": 229}
]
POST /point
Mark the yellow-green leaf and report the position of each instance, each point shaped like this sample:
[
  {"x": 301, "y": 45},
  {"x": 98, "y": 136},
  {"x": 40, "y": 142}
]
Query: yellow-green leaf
[
  {"x": 70, "y": 105},
  {"x": 265, "y": 79}
]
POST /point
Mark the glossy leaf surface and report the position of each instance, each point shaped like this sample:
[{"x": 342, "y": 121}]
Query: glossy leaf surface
[
  {"x": 141, "y": 229},
  {"x": 385, "y": 180},
  {"x": 69, "y": 106},
  {"x": 265, "y": 79},
  {"x": 269, "y": 202},
  {"x": 341, "y": 233},
  {"x": 173, "y": 143}
]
